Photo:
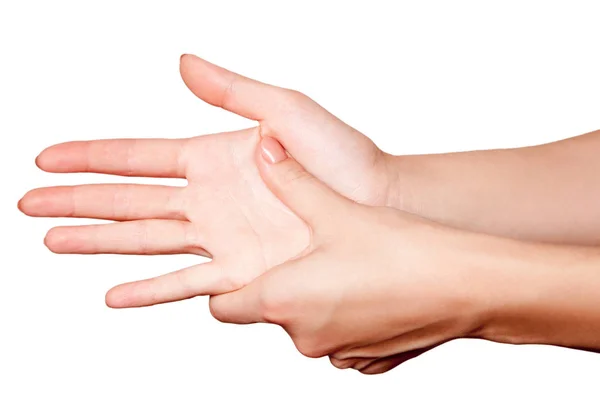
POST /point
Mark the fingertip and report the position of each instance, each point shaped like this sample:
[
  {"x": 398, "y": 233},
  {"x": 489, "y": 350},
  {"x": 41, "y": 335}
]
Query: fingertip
[
  {"x": 44, "y": 160},
  {"x": 112, "y": 300},
  {"x": 123, "y": 296},
  {"x": 108, "y": 300},
  {"x": 188, "y": 56},
  {"x": 39, "y": 160},
  {"x": 20, "y": 205},
  {"x": 183, "y": 59},
  {"x": 55, "y": 240},
  {"x": 64, "y": 157},
  {"x": 29, "y": 203},
  {"x": 189, "y": 62},
  {"x": 200, "y": 78},
  {"x": 132, "y": 295}
]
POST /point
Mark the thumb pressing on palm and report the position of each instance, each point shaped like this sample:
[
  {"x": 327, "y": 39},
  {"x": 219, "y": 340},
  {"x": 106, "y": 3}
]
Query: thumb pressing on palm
[
  {"x": 305, "y": 195},
  {"x": 368, "y": 291},
  {"x": 321, "y": 208}
]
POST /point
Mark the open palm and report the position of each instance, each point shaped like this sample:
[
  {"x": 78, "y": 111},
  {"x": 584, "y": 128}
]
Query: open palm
[{"x": 225, "y": 212}]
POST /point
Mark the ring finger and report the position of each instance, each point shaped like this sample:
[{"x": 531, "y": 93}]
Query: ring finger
[{"x": 132, "y": 237}]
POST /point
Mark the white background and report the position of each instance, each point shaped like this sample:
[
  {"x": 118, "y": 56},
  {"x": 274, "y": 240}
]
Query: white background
[{"x": 414, "y": 76}]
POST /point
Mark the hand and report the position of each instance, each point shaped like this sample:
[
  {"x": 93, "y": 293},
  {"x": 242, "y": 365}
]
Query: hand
[
  {"x": 374, "y": 287},
  {"x": 225, "y": 211}
]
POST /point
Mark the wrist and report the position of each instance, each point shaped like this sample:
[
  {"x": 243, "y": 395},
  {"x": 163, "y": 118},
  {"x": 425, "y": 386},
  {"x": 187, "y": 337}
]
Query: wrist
[
  {"x": 410, "y": 179},
  {"x": 398, "y": 193},
  {"x": 540, "y": 294}
]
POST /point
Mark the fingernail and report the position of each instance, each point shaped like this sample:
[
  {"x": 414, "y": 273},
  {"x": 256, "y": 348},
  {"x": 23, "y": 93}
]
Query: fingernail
[{"x": 271, "y": 150}]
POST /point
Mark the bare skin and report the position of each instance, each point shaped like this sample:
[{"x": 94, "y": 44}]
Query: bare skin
[
  {"x": 225, "y": 201},
  {"x": 548, "y": 193},
  {"x": 377, "y": 286},
  {"x": 503, "y": 289}
]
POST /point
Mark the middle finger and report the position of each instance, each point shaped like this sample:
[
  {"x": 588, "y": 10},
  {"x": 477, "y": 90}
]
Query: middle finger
[{"x": 117, "y": 202}]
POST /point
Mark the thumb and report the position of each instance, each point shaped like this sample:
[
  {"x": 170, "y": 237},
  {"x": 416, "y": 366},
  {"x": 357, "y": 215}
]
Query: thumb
[
  {"x": 305, "y": 195},
  {"x": 265, "y": 299},
  {"x": 242, "y": 306},
  {"x": 228, "y": 90}
]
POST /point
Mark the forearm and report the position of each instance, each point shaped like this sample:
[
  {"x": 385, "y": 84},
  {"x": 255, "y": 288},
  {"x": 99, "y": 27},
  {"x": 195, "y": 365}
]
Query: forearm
[
  {"x": 545, "y": 193},
  {"x": 540, "y": 294}
]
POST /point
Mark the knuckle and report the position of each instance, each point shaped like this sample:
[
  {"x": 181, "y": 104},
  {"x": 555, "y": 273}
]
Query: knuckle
[
  {"x": 130, "y": 157},
  {"x": 373, "y": 369},
  {"x": 183, "y": 281},
  {"x": 121, "y": 203},
  {"x": 344, "y": 362},
  {"x": 217, "y": 310},
  {"x": 271, "y": 306},
  {"x": 229, "y": 93},
  {"x": 296, "y": 97},
  {"x": 276, "y": 304},
  {"x": 310, "y": 348},
  {"x": 141, "y": 235},
  {"x": 336, "y": 362},
  {"x": 296, "y": 175}
]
